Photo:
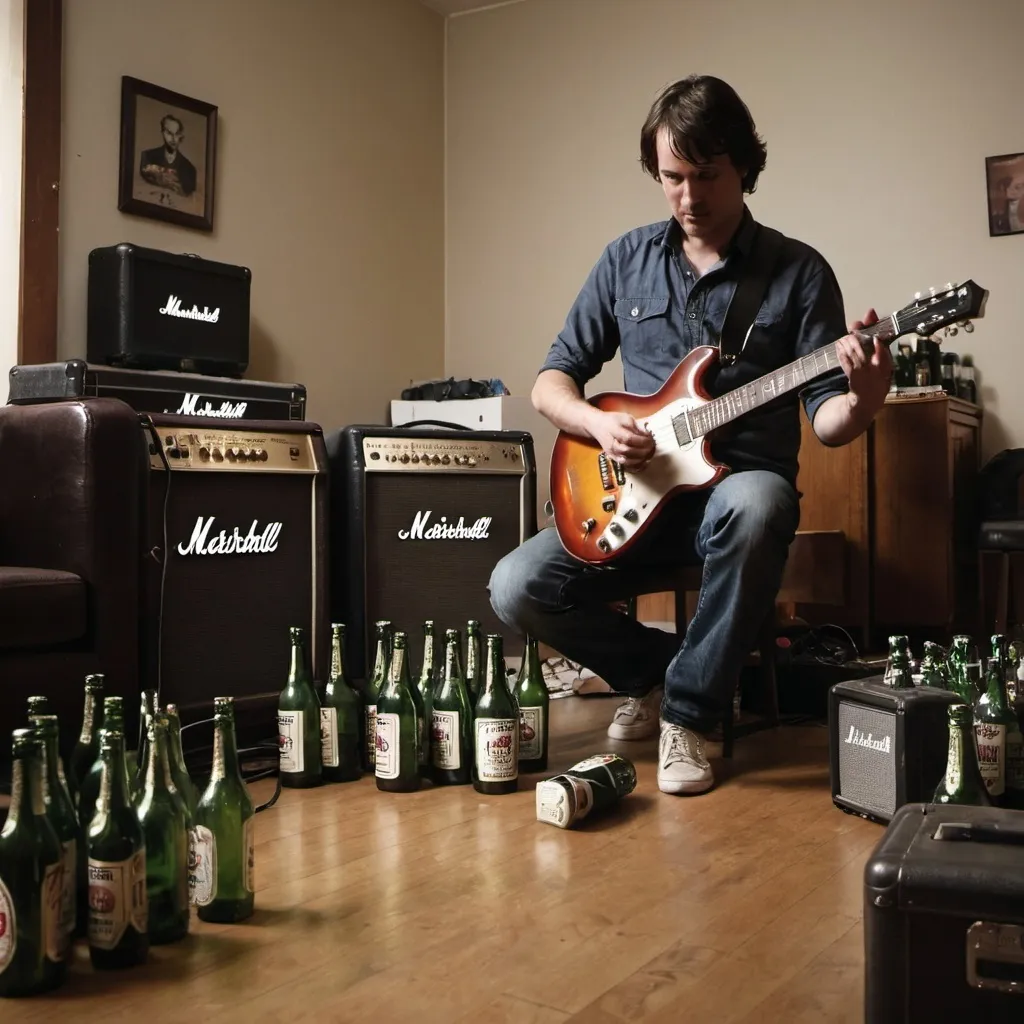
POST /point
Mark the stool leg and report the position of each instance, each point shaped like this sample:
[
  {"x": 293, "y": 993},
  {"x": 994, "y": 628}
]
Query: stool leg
[{"x": 766, "y": 670}]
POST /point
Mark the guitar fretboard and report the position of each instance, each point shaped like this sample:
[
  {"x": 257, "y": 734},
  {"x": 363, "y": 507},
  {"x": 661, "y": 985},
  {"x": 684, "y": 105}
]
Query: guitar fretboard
[{"x": 733, "y": 404}]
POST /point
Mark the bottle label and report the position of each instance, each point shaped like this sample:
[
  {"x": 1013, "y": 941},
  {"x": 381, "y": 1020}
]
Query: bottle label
[
  {"x": 67, "y": 903},
  {"x": 8, "y": 929},
  {"x": 388, "y": 759},
  {"x": 55, "y": 940},
  {"x": 117, "y": 898},
  {"x": 564, "y": 800},
  {"x": 597, "y": 761},
  {"x": 496, "y": 749},
  {"x": 531, "y": 734},
  {"x": 289, "y": 729},
  {"x": 445, "y": 745},
  {"x": 202, "y": 866},
  {"x": 371, "y": 734},
  {"x": 249, "y": 868},
  {"x": 991, "y": 741},
  {"x": 329, "y": 737}
]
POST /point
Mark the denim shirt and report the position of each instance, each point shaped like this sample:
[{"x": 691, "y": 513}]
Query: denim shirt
[{"x": 643, "y": 300}]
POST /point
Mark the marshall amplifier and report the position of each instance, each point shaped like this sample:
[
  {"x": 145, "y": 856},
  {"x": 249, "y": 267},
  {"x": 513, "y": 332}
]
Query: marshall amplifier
[
  {"x": 156, "y": 310},
  {"x": 886, "y": 747},
  {"x": 181, "y": 394},
  {"x": 235, "y": 553},
  {"x": 420, "y": 519}
]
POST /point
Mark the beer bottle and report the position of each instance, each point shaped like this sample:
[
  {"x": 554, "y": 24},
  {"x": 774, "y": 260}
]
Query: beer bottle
[
  {"x": 592, "y": 784},
  {"x": 118, "y": 907},
  {"x": 38, "y": 706},
  {"x": 148, "y": 706},
  {"x": 222, "y": 863},
  {"x": 495, "y": 727},
  {"x": 962, "y": 783},
  {"x": 532, "y": 694},
  {"x": 63, "y": 819},
  {"x": 397, "y": 766},
  {"x": 298, "y": 722},
  {"x": 1014, "y": 794},
  {"x": 452, "y": 719},
  {"x": 179, "y": 772},
  {"x": 164, "y": 820},
  {"x": 423, "y": 694},
  {"x": 960, "y": 655},
  {"x": 33, "y": 951},
  {"x": 87, "y": 750},
  {"x": 474, "y": 659},
  {"x": 933, "y": 671},
  {"x": 897, "y": 669},
  {"x": 381, "y": 668},
  {"x": 113, "y": 722},
  {"x": 340, "y": 717},
  {"x": 992, "y": 716}
]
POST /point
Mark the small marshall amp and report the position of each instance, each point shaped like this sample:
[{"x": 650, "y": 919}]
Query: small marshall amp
[
  {"x": 887, "y": 747},
  {"x": 420, "y": 518},
  {"x": 155, "y": 310},
  {"x": 160, "y": 391},
  {"x": 235, "y": 553}
]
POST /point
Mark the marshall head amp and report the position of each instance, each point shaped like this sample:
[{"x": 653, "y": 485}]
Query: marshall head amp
[
  {"x": 420, "y": 518},
  {"x": 156, "y": 310},
  {"x": 887, "y": 747},
  {"x": 235, "y": 554},
  {"x": 178, "y": 394}
]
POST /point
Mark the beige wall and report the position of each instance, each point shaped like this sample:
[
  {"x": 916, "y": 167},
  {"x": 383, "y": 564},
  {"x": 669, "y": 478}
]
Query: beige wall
[
  {"x": 11, "y": 110},
  {"x": 878, "y": 118},
  {"x": 329, "y": 177}
]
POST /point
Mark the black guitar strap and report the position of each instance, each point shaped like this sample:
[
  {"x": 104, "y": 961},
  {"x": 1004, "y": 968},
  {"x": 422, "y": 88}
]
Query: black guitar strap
[{"x": 749, "y": 294}]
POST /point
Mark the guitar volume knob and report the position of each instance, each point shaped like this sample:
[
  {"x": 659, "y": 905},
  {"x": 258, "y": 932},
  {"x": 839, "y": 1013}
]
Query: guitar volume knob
[
  {"x": 588, "y": 525},
  {"x": 631, "y": 515}
]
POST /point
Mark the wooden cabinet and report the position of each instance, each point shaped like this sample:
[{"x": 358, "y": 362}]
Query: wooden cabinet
[{"x": 903, "y": 495}]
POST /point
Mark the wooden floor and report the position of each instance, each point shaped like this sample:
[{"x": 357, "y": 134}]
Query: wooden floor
[{"x": 740, "y": 905}]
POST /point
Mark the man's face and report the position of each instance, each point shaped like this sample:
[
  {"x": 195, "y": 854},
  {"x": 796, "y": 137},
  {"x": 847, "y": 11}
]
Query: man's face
[
  {"x": 706, "y": 199},
  {"x": 173, "y": 134}
]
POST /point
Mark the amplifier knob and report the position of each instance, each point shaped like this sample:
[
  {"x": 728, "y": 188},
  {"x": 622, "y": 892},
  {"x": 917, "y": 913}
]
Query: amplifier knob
[
  {"x": 218, "y": 455},
  {"x": 253, "y": 454},
  {"x": 374, "y": 456},
  {"x": 261, "y": 454},
  {"x": 405, "y": 458},
  {"x": 415, "y": 458},
  {"x": 471, "y": 461},
  {"x": 204, "y": 453},
  {"x": 445, "y": 459}
]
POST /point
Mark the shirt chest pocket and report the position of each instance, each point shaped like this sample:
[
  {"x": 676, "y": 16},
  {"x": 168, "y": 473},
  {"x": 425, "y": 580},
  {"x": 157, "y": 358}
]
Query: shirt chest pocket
[{"x": 641, "y": 309}]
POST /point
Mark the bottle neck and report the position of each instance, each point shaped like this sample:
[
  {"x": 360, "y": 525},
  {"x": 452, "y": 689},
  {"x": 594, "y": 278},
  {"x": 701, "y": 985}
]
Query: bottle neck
[
  {"x": 92, "y": 717},
  {"x": 494, "y": 675},
  {"x": 337, "y": 660},
  {"x": 399, "y": 672},
  {"x": 225, "y": 750},
  {"x": 113, "y": 777},
  {"x": 26, "y": 792},
  {"x": 531, "y": 662},
  {"x": 297, "y": 672},
  {"x": 452, "y": 663},
  {"x": 49, "y": 774},
  {"x": 158, "y": 762},
  {"x": 427, "y": 671}
]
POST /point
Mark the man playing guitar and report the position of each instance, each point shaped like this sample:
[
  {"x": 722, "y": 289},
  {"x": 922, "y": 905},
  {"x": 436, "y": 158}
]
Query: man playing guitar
[{"x": 654, "y": 295}]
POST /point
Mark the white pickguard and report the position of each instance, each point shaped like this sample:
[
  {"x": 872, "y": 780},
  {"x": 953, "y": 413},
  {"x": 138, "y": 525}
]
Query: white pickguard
[{"x": 671, "y": 466}]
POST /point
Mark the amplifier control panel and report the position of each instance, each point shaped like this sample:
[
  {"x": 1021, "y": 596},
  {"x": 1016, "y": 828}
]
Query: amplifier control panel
[
  {"x": 441, "y": 455},
  {"x": 230, "y": 450}
]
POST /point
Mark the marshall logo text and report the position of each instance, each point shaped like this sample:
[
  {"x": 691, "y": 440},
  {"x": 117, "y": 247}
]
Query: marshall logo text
[
  {"x": 228, "y": 410},
  {"x": 443, "y": 530},
  {"x": 858, "y": 739},
  {"x": 230, "y": 542},
  {"x": 175, "y": 308}
]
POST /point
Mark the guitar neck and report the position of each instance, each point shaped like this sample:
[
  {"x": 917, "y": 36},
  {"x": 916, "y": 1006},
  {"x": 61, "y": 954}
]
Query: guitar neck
[{"x": 742, "y": 400}]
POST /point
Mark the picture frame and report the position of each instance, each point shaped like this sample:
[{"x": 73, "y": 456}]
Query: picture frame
[
  {"x": 168, "y": 155},
  {"x": 1004, "y": 176}
]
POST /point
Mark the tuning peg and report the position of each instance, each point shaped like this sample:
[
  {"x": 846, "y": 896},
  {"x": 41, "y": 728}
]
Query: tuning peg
[
  {"x": 917, "y": 295},
  {"x": 932, "y": 290},
  {"x": 951, "y": 332},
  {"x": 950, "y": 286},
  {"x": 968, "y": 326}
]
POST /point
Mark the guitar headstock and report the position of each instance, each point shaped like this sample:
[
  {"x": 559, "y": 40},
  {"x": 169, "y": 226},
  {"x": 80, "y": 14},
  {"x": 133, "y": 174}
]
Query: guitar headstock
[{"x": 955, "y": 304}]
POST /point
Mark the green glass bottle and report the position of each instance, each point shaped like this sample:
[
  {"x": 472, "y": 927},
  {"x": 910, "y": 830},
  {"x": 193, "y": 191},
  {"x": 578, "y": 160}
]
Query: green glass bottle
[
  {"x": 452, "y": 719},
  {"x": 33, "y": 951},
  {"x": 148, "y": 707},
  {"x": 298, "y": 721},
  {"x": 495, "y": 727},
  {"x": 397, "y": 765},
  {"x": 61, "y": 813},
  {"x": 423, "y": 693},
  {"x": 933, "y": 666},
  {"x": 474, "y": 659},
  {"x": 87, "y": 750},
  {"x": 897, "y": 670},
  {"x": 164, "y": 820},
  {"x": 961, "y": 656},
  {"x": 962, "y": 783},
  {"x": 223, "y": 858},
  {"x": 118, "y": 907},
  {"x": 340, "y": 717},
  {"x": 179, "y": 772},
  {"x": 992, "y": 717},
  {"x": 532, "y": 694},
  {"x": 381, "y": 670},
  {"x": 38, "y": 706}
]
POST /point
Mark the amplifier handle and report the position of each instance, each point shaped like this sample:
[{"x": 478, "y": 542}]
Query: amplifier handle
[
  {"x": 962, "y": 831},
  {"x": 434, "y": 423}
]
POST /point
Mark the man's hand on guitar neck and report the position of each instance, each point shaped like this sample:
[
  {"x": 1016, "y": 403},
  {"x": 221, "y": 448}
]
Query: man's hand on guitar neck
[{"x": 843, "y": 417}]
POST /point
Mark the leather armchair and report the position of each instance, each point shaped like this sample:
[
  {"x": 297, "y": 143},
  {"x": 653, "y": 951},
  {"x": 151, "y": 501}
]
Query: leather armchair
[{"x": 70, "y": 506}]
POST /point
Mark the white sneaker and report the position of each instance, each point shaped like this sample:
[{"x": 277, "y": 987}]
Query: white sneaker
[
  {"x": 637, "y": 717},
  {"x": 682, "y": 764}
]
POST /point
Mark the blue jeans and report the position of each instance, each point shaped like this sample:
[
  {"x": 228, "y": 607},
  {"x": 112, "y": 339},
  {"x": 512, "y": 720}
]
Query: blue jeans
[{"x": 741, "y": 531}]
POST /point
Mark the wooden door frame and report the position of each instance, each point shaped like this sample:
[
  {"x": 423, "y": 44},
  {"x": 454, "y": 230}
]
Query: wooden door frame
[{"x": 40, "y": 211}]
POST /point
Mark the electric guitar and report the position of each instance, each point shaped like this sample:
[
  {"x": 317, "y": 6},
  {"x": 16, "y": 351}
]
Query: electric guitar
[{"x": 600, "y": 508}]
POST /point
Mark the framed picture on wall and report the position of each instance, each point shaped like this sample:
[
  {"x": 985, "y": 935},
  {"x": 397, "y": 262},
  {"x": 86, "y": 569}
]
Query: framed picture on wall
[
  {"x": 168, "y": 150},
  {"x": 1005, "y": 176}
]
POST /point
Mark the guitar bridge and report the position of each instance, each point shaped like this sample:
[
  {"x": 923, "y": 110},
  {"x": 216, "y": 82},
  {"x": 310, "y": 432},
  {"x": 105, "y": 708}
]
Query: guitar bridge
[{"x": 605, "y": 470}]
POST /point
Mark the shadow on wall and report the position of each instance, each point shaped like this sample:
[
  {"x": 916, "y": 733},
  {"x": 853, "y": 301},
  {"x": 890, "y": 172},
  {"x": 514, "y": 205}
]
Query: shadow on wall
[{"x": 264, "y": 361}]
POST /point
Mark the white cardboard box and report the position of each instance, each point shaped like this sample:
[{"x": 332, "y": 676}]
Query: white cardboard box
[{"x": 504, "y": 412}]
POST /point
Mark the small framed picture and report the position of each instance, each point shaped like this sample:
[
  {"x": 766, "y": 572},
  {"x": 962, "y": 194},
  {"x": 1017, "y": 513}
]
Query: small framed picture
[
  {"x": 1005, "y": 175},
  {"x": 168, "y": 153}
]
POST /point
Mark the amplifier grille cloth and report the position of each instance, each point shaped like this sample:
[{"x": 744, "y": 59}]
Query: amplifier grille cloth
[
  {"x": 226, "y": 617},
  {"x": 867, "y": 776},
  {"x": 409, "y": 581}
]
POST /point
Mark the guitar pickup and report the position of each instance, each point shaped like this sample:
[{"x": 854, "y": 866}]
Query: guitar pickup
[
  {"x": 606, "y": 471},
  {"x": 620, "y": 474}
]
